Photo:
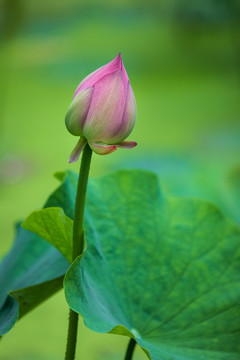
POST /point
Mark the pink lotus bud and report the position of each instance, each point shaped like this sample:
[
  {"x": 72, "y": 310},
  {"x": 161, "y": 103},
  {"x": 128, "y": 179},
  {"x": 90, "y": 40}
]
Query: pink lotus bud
[{"x": 103, "y": 110}]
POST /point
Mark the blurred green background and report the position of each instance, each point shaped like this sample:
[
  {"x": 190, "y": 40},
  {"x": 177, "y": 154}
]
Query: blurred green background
[{"x": 183, "y": 61}]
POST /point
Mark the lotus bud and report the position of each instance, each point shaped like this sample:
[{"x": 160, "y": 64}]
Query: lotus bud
[{"x": 103, "y": 110}]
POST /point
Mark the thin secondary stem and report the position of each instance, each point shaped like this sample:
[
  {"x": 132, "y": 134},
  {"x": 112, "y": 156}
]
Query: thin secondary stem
[
  {"x": 130, "y": 349},
  {"x": 78, "y": 242}
]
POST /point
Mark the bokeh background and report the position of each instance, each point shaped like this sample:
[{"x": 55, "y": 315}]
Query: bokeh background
[{"x": 183, "y": 61}]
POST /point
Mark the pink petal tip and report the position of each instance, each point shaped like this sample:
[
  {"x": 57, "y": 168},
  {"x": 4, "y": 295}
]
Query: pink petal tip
[{"x": 127, "y": 144}]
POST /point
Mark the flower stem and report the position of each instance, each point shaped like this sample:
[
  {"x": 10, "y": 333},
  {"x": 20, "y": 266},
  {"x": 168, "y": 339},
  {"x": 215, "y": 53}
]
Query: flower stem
[
  {"x": 130, "y": 349},
  {"x": 78, "y": 242}
]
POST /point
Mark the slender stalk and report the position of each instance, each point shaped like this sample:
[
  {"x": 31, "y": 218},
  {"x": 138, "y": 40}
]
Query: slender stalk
[
  {"x": 78, "y": 242},
  {"x": 130, "y": 349},
  {"x": 72, "y": 335}
]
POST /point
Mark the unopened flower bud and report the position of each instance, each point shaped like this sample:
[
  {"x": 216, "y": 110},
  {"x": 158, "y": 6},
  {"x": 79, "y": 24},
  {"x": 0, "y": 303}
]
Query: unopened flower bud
[{"x": 103, "y": 110}]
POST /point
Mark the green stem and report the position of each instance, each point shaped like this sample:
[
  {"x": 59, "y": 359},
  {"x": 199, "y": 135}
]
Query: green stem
[
  {"x": 130, "y": 349},
  {"x": 78, "y": 242},
  {"x": 72, "y": 335}
]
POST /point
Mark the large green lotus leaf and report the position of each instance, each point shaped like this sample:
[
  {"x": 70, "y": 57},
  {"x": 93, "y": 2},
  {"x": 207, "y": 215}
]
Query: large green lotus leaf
[
  {"x": 33, "y": 270},
  {"x": 164, "y": 271}
]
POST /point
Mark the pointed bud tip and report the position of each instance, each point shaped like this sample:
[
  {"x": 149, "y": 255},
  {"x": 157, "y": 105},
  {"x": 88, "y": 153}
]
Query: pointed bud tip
[{"x": 118, "y": 61}]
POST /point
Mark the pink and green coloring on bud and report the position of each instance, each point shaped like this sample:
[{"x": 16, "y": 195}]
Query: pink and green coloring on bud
[{"x": 103, "y": 110}]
